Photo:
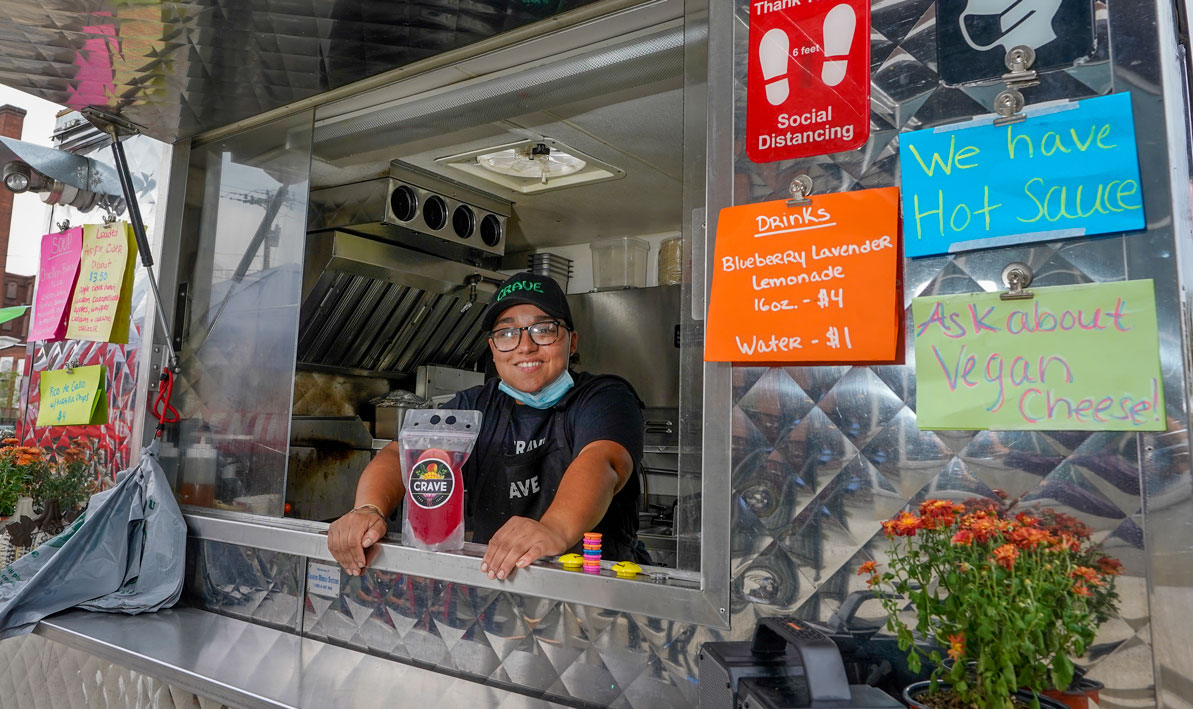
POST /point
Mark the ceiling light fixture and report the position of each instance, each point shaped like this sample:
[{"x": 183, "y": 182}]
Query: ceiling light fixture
[
  {"x": 537, "y": 161},
  {"x": 532, "y": 165}
]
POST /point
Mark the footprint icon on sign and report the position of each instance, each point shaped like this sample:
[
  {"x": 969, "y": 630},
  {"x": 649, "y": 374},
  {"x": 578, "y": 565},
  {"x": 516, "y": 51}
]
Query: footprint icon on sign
[
  {"x": 839, "y": 26},
  {"x": 773, "y": 53}
]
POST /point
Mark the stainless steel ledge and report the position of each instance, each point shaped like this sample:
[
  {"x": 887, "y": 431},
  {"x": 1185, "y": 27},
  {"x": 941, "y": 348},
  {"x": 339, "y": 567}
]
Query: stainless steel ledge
[
  {"x": 245, "y": 665},
  {"x": 680, "y": 597}
]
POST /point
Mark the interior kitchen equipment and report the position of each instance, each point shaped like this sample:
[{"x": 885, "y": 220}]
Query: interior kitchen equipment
[
  {"x": 327, "y": 455},
  {"x": 631, "y": 332},
  {"x": 788, "y": 663}
]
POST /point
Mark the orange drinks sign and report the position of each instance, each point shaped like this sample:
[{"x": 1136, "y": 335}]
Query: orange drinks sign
[{"x": 811, "y": 283}]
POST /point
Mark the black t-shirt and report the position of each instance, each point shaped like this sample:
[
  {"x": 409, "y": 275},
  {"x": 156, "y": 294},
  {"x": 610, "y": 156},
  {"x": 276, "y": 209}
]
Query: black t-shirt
[{"x": 601, "y": 408}]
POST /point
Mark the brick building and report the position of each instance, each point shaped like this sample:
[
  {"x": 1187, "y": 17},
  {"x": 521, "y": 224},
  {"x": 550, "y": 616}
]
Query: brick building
[{"x": 14, "y": 289}]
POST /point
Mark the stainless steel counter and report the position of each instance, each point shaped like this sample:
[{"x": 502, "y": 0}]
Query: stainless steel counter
[{"x": 245, "y": 665}]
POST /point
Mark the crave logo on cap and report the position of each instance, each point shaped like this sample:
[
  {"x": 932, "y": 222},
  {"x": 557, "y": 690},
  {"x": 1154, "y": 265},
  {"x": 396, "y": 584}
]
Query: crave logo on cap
[
  {"x": 519, "y": 286},
  {"x": 431, "y": 483}
]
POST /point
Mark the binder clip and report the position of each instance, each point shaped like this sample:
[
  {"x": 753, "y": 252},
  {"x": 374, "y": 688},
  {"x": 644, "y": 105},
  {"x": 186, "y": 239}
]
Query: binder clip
[
  {"x": 1017, "y": 276},
  {"x": 1009, "y": 103},
  {"x": 801, "y": 187}
]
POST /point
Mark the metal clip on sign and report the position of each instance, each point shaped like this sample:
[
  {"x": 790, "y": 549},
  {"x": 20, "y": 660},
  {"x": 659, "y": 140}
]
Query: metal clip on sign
[
  {"x": 1009, "y": 103},
  {"x": 1017, "y": 276},
  {"x": 801, "y": 187}
]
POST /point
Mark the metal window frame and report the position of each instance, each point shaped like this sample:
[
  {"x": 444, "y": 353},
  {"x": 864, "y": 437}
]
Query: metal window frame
[{"x": 701, "y": 598}]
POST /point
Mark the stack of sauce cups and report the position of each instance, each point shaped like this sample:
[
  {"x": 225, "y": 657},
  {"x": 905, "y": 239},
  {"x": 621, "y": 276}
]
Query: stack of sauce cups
[{"x": 592, "y": 552}]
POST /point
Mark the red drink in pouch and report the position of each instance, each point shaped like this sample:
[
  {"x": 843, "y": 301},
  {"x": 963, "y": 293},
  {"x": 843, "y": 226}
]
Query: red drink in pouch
[
  {"x": 434, "y": 494},
  {"x": 435, "y": 444}
]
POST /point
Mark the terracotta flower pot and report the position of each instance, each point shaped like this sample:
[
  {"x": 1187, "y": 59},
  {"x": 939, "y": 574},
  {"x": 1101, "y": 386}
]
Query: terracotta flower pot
[
  {"x": 1079, "y": 694},
  {"x": 913, "y": 692}
]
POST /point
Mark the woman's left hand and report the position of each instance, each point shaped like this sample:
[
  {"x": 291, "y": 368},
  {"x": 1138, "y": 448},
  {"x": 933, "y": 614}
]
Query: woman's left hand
[{"x": 518, "y": 543}]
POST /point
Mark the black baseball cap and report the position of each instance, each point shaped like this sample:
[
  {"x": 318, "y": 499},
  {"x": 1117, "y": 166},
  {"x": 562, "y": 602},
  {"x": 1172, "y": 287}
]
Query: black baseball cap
[{"x": 529, "y": 289}]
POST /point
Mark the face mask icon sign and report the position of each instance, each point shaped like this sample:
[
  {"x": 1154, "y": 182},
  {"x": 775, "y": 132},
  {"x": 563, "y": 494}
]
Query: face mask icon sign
[{"x": 1010, "y": 23}]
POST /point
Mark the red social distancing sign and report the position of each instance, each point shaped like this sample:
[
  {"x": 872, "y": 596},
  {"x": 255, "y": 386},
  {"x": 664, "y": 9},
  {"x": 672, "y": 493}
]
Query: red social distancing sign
[{"x": 808, "y": 88}]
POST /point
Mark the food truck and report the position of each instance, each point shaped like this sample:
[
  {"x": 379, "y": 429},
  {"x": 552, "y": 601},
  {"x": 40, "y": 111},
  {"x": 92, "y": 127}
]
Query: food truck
[{"x": 331, "y": 195}]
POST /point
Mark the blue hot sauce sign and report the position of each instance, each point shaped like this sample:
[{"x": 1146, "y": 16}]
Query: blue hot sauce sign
[{"x": 1069, "y": 170}]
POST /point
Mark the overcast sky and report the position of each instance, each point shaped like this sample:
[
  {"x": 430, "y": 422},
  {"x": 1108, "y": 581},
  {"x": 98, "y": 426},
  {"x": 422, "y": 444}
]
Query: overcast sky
[{"x": 29, "y": 214}]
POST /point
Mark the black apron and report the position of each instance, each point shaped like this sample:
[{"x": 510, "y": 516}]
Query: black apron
[{"x": 524, "y": 485}]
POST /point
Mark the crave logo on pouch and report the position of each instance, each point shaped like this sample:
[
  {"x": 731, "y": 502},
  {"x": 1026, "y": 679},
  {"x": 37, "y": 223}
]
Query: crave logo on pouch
[{"x": 431, "y": 483}]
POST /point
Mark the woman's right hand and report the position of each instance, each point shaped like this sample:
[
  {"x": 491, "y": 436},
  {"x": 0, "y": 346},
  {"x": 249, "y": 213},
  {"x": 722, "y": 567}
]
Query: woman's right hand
[{"x": 350, "y": 536}]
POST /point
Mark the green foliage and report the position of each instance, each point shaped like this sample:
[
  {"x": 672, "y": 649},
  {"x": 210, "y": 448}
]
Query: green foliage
[
  {"x": 13, "y": 484},
  {"x": 1010, "y": 598},
  {"x": 70, "y": 483}
]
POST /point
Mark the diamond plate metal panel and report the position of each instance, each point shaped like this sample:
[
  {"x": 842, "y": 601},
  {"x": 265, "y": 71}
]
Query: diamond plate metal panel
[
  {"x": 858, "y": 456},
  {"x": 251, "y": 584},
  {"x": 36, "y": 673}
]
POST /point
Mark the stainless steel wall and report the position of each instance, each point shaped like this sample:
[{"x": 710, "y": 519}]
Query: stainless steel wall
[{"x": 821, "y": 455}]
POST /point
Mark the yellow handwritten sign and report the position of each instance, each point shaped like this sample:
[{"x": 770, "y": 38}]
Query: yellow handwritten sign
[
  {"x": 101, "y": 306},
  {"x": 73, "y": 398}
]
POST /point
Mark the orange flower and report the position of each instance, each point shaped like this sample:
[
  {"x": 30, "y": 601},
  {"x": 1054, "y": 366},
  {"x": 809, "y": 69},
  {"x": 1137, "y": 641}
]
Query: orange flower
[
  {"x": 1086, "y": 575},
  {"x": 1110, "y": 567},
  {"x": 1026, "y": 520},
  {"x": 1061, "y": 522},
  {"x": 872, "y": 581},
  {"x": 867, "y": 568},
  {"x": 957, "y": 646},
  {"x": 940, "y": 509},
  {"x": 1029, "y": 537},
  {"x": 963, "y": 537},
  {"x": 906, "y": 524},
  {"x": 1080, "y": 589},
  {"x": 985, "y": 528},
  {"x": 9, "y": 442},
  {"x": 1005, "y": 556},
  {"x": 1065, "y": 542}
]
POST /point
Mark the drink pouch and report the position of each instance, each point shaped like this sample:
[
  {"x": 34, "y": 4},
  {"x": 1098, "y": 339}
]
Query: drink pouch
[{"x": 435, "y": 443}]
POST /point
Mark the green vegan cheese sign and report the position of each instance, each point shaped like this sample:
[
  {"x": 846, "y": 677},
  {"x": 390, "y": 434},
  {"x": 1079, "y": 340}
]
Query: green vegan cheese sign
[{"x": 1082, "y": 358}]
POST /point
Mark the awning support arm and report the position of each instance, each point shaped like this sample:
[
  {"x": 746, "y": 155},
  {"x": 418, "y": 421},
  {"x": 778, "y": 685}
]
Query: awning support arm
[{"x": 113, "y": 126}]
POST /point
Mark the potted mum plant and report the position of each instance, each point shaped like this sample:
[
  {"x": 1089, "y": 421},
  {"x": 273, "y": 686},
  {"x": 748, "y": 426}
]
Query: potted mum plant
[{"x": 1009, "y": 600}]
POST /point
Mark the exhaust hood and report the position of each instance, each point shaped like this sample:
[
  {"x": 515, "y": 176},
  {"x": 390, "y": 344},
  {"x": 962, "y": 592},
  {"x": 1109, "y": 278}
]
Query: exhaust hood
[{"x": 371, "y": 307}]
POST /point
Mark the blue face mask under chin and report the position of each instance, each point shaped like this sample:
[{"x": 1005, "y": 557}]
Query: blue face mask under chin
[{"x": 544, "y": 398}]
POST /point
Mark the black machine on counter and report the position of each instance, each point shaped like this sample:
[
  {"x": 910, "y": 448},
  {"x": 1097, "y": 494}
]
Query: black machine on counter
[{"x": 789, "y": 663}]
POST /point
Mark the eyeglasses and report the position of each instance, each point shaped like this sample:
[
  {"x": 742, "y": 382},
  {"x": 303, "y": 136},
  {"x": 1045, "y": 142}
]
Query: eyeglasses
[{"x": 544, "y": 333}]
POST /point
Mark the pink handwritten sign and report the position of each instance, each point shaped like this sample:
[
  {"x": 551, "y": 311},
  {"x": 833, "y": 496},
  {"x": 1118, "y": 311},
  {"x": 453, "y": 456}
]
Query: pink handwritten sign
[
  {"x": 56, "y": 276},
  {"x": 100, "y": 308}
]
